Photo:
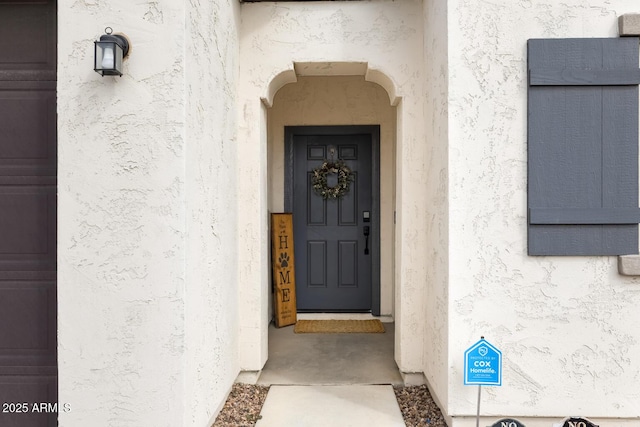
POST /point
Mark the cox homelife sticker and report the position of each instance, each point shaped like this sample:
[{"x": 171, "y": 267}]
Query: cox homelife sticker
[{"x": 483, "y": 364}]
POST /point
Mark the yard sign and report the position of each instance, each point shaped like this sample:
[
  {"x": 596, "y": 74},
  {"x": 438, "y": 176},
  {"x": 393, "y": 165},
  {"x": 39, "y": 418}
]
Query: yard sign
[{"x": 483, "y": 364}]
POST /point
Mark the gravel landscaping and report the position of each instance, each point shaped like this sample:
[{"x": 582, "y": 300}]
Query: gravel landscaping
[
  {"x": 418, "y": 408},
  {"x": 242, "y": 408}
]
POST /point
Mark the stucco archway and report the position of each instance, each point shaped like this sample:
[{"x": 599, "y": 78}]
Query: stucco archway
[
  {"x": 254, "y": 324},
  {"x": 260, "y": 83},
  {"x": 338, "y": 100}
]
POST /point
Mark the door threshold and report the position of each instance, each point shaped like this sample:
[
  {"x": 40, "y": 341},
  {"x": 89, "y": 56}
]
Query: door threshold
[{"x": 343, "y": 316}]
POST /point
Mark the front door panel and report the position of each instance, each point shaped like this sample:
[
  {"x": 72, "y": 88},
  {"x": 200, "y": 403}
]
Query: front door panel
[{"x": 334, "y": 258}]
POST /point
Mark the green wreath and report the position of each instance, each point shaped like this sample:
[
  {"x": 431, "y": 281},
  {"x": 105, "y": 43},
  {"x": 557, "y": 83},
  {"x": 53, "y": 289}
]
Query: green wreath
[{"x": 319, "y": 179}]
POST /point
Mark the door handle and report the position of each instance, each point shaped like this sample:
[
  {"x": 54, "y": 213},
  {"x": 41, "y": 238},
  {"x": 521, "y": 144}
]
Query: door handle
[{"x": 366, "y": 231}]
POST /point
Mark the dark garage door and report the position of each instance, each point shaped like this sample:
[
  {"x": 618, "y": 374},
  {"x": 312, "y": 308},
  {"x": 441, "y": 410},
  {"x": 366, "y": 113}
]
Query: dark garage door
[{"x": 28, "y": 361}]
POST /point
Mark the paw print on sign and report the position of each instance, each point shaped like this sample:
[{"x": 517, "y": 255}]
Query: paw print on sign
[{"x": 283, "y": 259}]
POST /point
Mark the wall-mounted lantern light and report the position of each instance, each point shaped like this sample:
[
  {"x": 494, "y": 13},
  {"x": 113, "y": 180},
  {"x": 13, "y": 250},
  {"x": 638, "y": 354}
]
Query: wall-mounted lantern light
[{"x": 111, "y": 49}]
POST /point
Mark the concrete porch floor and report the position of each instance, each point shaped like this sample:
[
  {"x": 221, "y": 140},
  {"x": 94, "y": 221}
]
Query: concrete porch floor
[
  {"x": 326, "y": 380},
  {"x": 330, "y": 359}
]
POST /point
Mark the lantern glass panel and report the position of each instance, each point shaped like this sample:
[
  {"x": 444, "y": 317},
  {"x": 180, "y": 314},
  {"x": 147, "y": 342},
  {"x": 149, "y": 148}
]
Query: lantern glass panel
[{"x": 108, "y": 58}]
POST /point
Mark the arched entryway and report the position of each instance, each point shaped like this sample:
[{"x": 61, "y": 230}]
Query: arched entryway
[
  {"x": 308, "y": 116},
  {"x": 330, "y": 105},
  {"x": 261, "y": 191}
]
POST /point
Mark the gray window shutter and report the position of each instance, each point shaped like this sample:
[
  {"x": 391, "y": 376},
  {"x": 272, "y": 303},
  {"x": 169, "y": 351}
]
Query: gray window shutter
[{"x": 583, "y": 146}]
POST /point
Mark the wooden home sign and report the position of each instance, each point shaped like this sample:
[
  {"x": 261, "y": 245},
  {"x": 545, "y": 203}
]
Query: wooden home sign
[{"x": 284, "y": 277}]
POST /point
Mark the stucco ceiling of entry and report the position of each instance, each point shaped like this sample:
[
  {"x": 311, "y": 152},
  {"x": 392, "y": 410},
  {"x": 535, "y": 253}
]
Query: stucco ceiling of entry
[{"x": 330, "y": 69}]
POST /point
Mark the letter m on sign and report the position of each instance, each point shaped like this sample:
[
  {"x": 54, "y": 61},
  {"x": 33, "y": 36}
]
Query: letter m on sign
[{"x": 583, "y": 146}]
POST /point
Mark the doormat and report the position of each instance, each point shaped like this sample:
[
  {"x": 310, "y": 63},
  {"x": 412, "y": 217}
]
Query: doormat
[{"x": 372, "y": 326}]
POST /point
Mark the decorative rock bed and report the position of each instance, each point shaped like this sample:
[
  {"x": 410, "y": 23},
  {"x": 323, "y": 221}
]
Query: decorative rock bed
[{"x": 242, "y": 408}]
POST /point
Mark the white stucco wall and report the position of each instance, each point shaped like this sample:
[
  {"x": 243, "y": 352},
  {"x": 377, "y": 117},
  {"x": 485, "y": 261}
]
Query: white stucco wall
[
  {"x": 211, "y": 287},
  {"x": 339, "y": 100},
  {"x": 567, "y": 326},
  {"x": 146, "y": 326},
  {"x": 436, "y": 253},
  {"x": 387, "y": 37}
]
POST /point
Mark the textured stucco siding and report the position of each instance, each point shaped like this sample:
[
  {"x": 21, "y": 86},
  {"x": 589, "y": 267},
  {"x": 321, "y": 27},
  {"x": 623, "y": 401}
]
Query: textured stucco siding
[
  {"x": 211, "y": 290},
  {"x": 146, "y": 326},
  {"x": 436, "y": 253},
  {"x": 567, "y": 326}
]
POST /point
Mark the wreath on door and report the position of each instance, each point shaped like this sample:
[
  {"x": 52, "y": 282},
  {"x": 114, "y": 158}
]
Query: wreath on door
[{"x": 319, "y": 179}]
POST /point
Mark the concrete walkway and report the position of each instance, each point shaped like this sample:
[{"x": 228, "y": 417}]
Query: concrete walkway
[
  {"x": 330, "y": 380},
  {"x": 331, "y": 406}
]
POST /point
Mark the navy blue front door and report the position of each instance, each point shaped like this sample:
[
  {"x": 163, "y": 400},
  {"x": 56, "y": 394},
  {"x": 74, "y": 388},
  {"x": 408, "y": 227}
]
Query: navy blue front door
[{"x": 336, "y": 240}]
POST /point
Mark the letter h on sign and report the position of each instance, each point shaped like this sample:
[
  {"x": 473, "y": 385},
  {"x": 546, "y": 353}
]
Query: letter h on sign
[{"x": 283, "y": 242}]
